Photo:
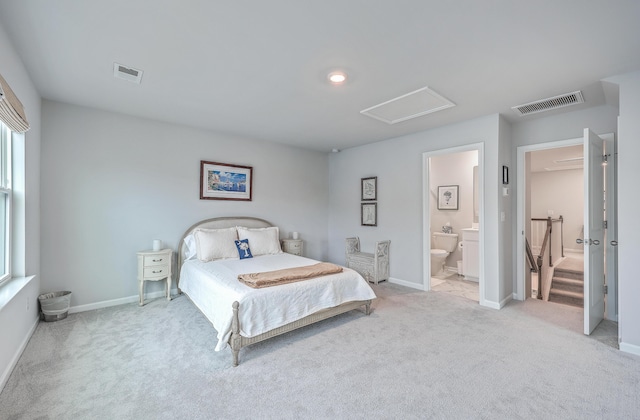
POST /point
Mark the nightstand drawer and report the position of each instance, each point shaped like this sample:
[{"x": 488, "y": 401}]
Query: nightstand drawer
[
  {"x": 294, "y": 246},
  {"x": 156, "y": 271},
  {"x": 152, "y": 260}
]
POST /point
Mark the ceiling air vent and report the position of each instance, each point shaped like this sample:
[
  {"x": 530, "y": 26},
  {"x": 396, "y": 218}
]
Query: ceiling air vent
[
  {"x": 548, "y": 104},
  {"x": 127, "y": 73}
]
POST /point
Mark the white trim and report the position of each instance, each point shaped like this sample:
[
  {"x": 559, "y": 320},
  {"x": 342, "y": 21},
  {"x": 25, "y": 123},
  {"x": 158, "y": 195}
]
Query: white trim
[
  {"x": 14, "y": 361},
  {"x": 406, "y": 283},
  {"x": 121, "y": 301},
  {"x": 630, "y": 348}
]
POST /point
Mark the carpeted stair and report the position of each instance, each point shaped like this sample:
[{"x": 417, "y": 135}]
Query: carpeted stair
[{"x": 567, "y": 287}]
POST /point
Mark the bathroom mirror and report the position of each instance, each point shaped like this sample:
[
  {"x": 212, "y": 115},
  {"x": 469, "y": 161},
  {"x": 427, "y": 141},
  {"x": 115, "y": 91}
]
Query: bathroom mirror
[{"x": 476, "y": 211}]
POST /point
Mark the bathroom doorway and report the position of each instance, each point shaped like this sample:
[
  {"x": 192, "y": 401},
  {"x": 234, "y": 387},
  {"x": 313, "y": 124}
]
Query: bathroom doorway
[{"x": 452, "y": 208}]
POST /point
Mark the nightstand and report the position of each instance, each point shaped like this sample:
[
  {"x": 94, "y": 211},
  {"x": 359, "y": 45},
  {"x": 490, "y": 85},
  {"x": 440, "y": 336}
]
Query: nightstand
[
  {"x": 154, "y": 266},
  {"x": 292, "y": 246}
]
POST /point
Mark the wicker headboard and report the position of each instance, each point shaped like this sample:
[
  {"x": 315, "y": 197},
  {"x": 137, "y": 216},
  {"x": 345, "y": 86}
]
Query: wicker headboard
[{"x": 216, "y": 223}]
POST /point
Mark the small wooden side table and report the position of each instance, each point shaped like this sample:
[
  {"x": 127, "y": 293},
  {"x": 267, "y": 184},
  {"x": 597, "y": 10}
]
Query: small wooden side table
[
  {"x": 154, "y": 266},
  {"x": 292, "y": 246}
]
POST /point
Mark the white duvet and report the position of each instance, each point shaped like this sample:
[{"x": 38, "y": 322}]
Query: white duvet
[{"x": 213, "y": 286}]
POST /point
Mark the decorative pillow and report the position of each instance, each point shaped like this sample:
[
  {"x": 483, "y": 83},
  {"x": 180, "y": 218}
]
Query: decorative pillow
[
  {"x": 243, "y": 249},
  {"x": 190, "y": 247},
  {"x": 215, "y": 244},
  {"x": 263, "y": 240}
]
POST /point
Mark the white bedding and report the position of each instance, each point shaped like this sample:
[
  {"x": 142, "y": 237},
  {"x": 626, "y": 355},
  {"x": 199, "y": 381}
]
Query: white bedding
[{"x": 213, "y": 286}]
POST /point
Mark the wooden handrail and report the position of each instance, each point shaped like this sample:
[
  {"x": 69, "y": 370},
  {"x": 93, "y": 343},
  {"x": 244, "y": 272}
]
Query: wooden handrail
[
  {"x": 532, "y": 261},
  {"x": 547, "y": 242}
]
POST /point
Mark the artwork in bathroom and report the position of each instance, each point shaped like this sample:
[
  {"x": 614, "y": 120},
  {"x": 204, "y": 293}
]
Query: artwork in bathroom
[{"x": 448, "y": 197}]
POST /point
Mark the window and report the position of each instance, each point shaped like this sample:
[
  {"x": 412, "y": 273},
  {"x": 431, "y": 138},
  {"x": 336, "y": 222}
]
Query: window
[{"x": 5, "y": 203}]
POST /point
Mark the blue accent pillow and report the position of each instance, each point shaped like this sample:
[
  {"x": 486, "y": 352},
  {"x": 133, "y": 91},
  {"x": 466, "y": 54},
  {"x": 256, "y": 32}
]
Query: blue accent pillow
[{"x": 243, "y": 249}]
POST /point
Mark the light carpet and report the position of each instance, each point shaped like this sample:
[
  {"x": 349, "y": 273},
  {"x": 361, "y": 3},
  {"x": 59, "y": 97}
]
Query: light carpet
[{"x": 418, "y": 355}]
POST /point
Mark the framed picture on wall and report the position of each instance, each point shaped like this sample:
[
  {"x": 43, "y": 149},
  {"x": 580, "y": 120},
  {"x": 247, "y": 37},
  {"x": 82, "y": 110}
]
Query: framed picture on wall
[
  {"x": 448, "y": 197},
  {"x": 369, "y": 214},
  {"x": 222, "y": 181},
  {"x": 369, "y": 188}
]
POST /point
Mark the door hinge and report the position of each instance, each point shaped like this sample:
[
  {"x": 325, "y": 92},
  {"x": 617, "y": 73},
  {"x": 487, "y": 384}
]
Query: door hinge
[
  {"x": 604, "y": 224},
  {"x": 605, "y": 289}
]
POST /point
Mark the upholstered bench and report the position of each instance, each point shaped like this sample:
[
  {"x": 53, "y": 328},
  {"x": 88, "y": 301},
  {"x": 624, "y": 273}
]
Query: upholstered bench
[{"x": 374, "y": 267}]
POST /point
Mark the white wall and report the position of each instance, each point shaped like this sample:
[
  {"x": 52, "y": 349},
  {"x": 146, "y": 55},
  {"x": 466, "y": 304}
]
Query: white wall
[
  {"x": 563, "y": 193},
  {"x": 453, "y": 169},
  {"x": 398, "y": 165},
  {"x": 113, "y": 183},
  {"x": 18, "y": 301},
  {"x": 628, "y": 211}
]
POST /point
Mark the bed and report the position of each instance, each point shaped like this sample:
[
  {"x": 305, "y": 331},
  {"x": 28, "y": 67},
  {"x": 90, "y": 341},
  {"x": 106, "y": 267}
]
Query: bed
[{"x": 243, "y": 315}]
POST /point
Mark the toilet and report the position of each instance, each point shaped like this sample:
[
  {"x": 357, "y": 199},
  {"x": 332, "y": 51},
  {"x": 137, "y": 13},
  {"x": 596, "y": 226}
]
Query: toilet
[{"x": 442, "y": 244}]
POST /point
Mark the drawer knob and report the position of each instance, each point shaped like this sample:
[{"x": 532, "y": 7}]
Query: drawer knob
[
  {"x": 157, "y": 272},
  {"x": 157, "y": 260}
]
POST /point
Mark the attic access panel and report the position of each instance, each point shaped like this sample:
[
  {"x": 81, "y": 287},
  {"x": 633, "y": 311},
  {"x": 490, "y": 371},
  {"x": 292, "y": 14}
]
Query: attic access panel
[{"x": 411, "y": 105}]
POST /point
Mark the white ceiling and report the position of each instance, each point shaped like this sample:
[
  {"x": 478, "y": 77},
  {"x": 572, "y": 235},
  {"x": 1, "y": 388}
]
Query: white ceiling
[{"x": 258, "y": 68}]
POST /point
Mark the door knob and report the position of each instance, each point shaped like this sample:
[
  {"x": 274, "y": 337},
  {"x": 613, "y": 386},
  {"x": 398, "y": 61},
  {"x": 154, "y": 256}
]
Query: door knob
[
  {"x": 614, "y": 243},
  {"x": 580, "y": 241},
  {"x": 595, "y": 242}
]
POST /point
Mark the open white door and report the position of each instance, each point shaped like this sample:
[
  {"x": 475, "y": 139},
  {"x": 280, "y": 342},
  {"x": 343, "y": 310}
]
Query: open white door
[{"x": 593, "y": 231}]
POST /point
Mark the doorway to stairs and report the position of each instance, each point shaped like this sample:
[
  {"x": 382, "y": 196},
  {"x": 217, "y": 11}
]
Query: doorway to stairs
[{"x": 554, "y": 196}]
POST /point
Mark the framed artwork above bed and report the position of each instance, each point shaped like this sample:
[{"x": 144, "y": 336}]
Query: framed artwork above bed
[{"x": 223, "y": 181}]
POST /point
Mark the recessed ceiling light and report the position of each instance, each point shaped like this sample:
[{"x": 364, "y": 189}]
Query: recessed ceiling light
[{"x": 337, "y": 77}]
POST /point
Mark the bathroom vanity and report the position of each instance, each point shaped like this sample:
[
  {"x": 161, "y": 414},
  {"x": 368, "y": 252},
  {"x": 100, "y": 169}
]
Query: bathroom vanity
[{"x": 471, "y": 254}]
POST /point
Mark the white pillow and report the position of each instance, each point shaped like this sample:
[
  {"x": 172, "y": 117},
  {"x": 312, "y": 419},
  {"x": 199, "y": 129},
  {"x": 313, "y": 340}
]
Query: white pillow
[
  {"x": 214, "y": 244},
  {"x": 262, "y": 241},
  {"x": 190, "y": 251}
]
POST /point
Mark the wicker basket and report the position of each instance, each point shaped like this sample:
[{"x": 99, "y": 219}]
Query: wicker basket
[{"x": 55, "y": 305}]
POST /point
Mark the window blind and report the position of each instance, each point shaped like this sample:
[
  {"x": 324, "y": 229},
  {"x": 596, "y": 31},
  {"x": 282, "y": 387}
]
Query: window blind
[{"x": 11, "y": 109}]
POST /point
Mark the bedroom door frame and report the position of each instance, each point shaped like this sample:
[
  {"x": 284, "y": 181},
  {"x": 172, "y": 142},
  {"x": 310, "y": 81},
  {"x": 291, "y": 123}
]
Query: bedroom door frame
[
  {"x": 426, "y": 212},
  {"x": 611, "y": 309}
]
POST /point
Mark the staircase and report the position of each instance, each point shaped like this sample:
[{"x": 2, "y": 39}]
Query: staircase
[{"x": 567, "y": 287}]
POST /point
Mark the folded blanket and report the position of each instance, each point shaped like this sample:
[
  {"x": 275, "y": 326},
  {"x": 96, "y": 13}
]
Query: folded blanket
[{"x": 288, "y": 275}]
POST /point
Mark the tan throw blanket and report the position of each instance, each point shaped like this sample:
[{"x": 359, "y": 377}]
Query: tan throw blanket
[{"x": 288, "y": 275}]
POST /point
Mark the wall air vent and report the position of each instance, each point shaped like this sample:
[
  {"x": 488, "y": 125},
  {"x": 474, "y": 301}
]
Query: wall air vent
[
  {"x": 127, "y": 73},
  {"x": 548, "y": 104}
]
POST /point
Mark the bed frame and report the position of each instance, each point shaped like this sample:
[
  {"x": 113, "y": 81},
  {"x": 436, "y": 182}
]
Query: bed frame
[{"x": 237, "y": 341}]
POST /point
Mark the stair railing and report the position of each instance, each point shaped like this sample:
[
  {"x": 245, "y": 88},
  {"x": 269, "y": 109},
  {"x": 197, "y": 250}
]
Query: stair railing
[
  {"x": 549, "y": 243},
  {"x": 532, "y": 261}
]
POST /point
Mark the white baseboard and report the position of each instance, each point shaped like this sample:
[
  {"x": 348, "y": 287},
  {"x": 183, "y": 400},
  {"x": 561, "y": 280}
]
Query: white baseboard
[
  {"x": 14, "y": 361},
  {"x": 405, "y": 283},
  {"x": 116, "y": 302},
  {"x": 630, "y": 348}
]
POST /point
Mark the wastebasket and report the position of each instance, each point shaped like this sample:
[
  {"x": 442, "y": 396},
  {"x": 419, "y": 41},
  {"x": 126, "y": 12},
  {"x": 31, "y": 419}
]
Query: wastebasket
[{"x": 55, "y": 305}]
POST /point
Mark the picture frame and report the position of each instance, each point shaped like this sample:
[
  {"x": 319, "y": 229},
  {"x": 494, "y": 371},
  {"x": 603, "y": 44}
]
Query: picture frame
[
  {"x": 448, "y": 197},
  {"x": 369, "y": 214},
  {"x": 369, "y": 188},
  {"x": 224, "y": 181},
  {"x": 505, "y": 175}
]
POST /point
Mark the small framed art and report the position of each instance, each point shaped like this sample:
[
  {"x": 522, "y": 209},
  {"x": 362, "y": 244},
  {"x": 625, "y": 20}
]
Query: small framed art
[
  {"x": 223, "y": 181},
  {"x": 369, "y": 188},
  {"x": 369, "y": 214},
  {"x": 448, "y": 197}
]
